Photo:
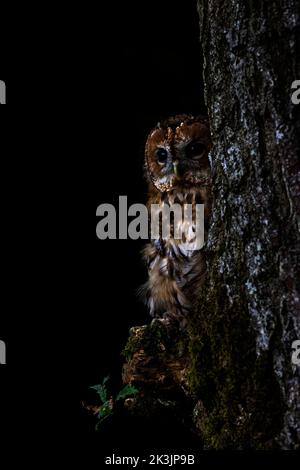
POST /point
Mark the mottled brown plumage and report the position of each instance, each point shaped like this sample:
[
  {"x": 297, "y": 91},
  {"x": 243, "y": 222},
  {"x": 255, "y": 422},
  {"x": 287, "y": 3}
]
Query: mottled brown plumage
[{"x": 178, "y": 171}]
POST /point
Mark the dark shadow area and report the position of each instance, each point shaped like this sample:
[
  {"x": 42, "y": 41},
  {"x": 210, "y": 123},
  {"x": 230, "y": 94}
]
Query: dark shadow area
[
  {"x": 137, "y": 62},
  {"x": 150, "y": 69}
]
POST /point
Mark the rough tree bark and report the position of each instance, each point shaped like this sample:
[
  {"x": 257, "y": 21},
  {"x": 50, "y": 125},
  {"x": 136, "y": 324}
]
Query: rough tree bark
[
  {"x": 249, "y": 312},
  {"x": 231, "y": 371}
]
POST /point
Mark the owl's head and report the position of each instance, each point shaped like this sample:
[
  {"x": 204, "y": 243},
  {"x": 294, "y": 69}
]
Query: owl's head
[{"x": 176, "y": 153}]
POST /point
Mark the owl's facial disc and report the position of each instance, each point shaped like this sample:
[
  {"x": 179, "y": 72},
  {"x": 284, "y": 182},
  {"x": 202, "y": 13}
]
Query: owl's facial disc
[
  {"x": 177, "y": 154},
  {"x": 175, "y": 166}
]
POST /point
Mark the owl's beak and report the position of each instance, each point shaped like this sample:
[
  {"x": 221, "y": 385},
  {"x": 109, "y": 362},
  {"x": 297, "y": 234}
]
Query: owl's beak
[{"x": 175, "y": 167}]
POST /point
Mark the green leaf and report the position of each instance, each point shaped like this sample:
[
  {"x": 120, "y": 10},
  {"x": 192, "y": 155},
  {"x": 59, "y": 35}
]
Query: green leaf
[
  {"x": 102, "y": 390},
  {"x": 127, "y": 391},
  {"x": 106, "y": 410}
]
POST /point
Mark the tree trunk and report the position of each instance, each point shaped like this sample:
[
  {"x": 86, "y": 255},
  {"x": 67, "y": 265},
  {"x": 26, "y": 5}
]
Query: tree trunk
[{"x": 249, "y": 312}]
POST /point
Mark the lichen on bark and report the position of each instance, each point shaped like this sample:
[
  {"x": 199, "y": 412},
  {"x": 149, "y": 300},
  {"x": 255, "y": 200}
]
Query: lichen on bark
[{"x": 249, "y": 313}]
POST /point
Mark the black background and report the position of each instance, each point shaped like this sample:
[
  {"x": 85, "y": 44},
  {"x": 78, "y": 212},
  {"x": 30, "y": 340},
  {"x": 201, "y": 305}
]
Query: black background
[
  {"x": 153, "y": 70},
  {"x": 79, "y": 111}
]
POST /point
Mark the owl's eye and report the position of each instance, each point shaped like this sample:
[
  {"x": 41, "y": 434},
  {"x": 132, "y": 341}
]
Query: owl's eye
[
  {"x": 162, "y": 155},
  {"x": 195, "y": 150}
]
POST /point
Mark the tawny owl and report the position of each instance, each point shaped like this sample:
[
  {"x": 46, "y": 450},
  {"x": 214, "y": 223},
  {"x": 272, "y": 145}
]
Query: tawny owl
[{"x": 178, "y": 171}]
